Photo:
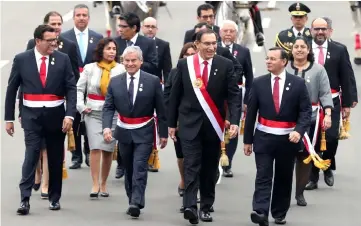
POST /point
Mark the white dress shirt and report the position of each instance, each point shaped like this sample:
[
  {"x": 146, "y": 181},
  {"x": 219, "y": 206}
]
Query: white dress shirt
[
  {"x": 281, "y": 83},
  {"x": 38, "y": 57},
  {"x": 208, "y": 66},
  {"x": 295, "y": 31},
  {"x": 85, "y": 38},
  {"x": 134, "y": 39},
  {"x": 136, "y": 83},
  {"x": 316, "y": 50}
]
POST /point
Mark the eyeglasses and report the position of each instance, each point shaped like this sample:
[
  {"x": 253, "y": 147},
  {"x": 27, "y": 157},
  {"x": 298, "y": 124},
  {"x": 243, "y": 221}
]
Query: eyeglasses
[
  {"x": 49, "y": 41},
  {"x": 319, "y": 29},
  {"x": 123, "y": 26},
  {"x": 209, "y": 43},
  {"x": 150, "y": 26},
  {"x": 207, "y": 16}
]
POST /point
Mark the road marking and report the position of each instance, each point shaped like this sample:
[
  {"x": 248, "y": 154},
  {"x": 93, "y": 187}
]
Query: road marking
[
  {"x": 271, "y": 4},
  {"x": 68, "y": 16},
  {"x": 3, "y": 63},
  {"x": 266, "y": 22}
]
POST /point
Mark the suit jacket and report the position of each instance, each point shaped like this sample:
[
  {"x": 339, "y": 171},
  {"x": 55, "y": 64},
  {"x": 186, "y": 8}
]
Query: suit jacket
[
  {"x": 188, "y": 36},
  {"x": 339, "y": 71},
  {"x": 147, "y": 100},
  {"x": 93, "y": 39},
  {"x": 184, "y": 105},
  {"x": 243, "y": 56},
  {"x": 224, "y": 52},
  {"x": 149, "y": 49},
  {"x": 352, "y": 76},
  {"x": 164, "y": 59},
  {"x": 65, "y": 46},
  {"x": 168, "y": 86},
  {"x": 60, "y": 81},
  {"x": 295, "y": 107}
]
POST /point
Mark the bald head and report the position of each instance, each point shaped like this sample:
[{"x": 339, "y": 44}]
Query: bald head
[
  {"x": 319, "y": 30},
  {"x": 149, "y": 27},
  {"x": 319, "y": 22}
]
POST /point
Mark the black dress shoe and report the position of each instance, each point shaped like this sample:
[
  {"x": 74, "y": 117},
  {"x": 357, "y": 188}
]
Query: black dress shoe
[
  {"x": 24, "y": 208},
  {"x": 54, "y": 206},
  {"x": 36, "y": 187},
  {"x": 190, "y": 214},
  {"x": 119, "y": 173},
  {"x": 205, "y": 216},
  {"x": 311, "y": 186},
  {"x": 328, "y": 177},
  {"x": 133, "y": 211},
  {"x": 260, "y": 219},
  {"x": 180, "y": 191},
  {"x": 44, "y": 195},
  {"x": 76, "y": 165},
  {"x": 280, "y": 221},
  {"x": 228, "y": 173},
  {"x": 301, "y": 201}
]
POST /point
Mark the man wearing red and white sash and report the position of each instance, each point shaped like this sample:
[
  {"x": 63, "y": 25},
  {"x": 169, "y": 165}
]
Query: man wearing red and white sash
[
  {"x": 284, "y": 115},
  {"x": 135, "y": 95},
  {"x": 47, "y": 79},
  {"x": 203, "y": 83}
]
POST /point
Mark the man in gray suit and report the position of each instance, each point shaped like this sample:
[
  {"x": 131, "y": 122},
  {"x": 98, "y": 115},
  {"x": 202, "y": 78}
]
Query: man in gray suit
[{"x": 135, "y": 95}]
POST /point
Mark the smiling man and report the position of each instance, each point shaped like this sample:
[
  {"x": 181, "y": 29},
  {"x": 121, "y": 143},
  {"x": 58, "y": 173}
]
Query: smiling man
[{"x": 299, "y": 18}]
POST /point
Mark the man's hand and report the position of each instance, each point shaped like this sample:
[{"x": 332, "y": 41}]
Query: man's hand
[
  {"x": 294, "y": 137},
  {"x": 247, "y": 148},
  {"x": 10, "y": 128},
  {"x": 233, "y": 131},
  {"x": 327, "y": 122},
  {"x": 354, "y": 104},
  {"x": 346, "y": 112},
  {"x": 67, "y": 124},
  {"x": 107, "y": 135},
  {"x": 227, "y": 124},
  {"x": 163, "y": 142},
  {"x": 171, "y": 132},
  {"x": 87, "y": 110}
]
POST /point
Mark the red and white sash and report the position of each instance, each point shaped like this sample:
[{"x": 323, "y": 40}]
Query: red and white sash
[
  {"x": 205, "y": 100},
  {"x": 334, "y": 93},
  {"x": 275, "y": 127},
  {"x": 42, "y": 100},
  {"x": 96, "y": 99},
  {"x": 133, "y": 123},
  {"x": 319, "y": 120}
]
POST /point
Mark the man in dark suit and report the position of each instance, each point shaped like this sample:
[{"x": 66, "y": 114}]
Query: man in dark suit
[
  {"x": 281, "y": 100},
  {"x": 129, "y": 27},
  {"x": 47, "y": 80},
  {"x": 242, "y": 54},
  {"x": 86, "y": 40},
  {"x": 352, "y": 76},
  {"x": 150, "y": 29},
  {"x": 339, "y": 70},
  {"x": 135, "y": 95},
  {"x": 205, "y": 13},
  {"x": 199, "y": 106}
]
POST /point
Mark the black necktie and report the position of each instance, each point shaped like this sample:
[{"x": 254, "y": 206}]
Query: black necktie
[
  {"x": 129, "y": 43},
  {"x": 228, "y": 46},
  {"x": 131, "y": 91},
  {"x": 299, "y": 34}
]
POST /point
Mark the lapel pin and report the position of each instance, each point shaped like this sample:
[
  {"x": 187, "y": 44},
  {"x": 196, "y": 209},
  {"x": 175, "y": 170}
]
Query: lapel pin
[
  {"x": 141, "y": 85},
  {"x": 52, "y": 61},
  {"x": 287, "y": 88},
  {"x": 289, "y": 84},
  {"x": 140, "y": 89},
  {"x": 91, "y": 40},
  {"x": 328, "y": 56},
  {"x": 61, "y": 45},
  {"x": 308, "y": 80},
  {"x": 216, "y": 69},
  {"x": 157, "y": 47}
]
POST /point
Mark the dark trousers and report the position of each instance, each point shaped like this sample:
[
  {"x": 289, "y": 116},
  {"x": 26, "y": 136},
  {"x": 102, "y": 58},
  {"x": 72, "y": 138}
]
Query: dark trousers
[
  {"x": 278, "y": 151},
  {"x": 135, "y": 158},
  {"x": 55, "y": 149},
  {"x": 76, "y": 155},
  {"x": 120, "y": 164},
  {"x": 201, "y": 159},
  {"x": 231, "y": 148},
  {"x": 332, "y": 135}
]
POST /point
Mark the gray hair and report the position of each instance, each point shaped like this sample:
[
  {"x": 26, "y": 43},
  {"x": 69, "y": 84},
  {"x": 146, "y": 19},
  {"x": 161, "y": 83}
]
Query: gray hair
[
  {"x": 133, "y": 49},
  {"x": 81, "y": 6},
  {"x": 231, "y": 22},
  {"x": 329, "y": 22}
]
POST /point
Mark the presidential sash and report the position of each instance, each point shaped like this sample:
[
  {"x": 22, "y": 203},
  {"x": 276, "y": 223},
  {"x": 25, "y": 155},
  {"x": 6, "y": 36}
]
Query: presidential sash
[{"x": 205, "y": 100}]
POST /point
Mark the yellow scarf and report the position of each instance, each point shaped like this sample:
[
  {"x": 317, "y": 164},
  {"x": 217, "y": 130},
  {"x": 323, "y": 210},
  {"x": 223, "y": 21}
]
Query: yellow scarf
[{"x": 104, "y": 81}]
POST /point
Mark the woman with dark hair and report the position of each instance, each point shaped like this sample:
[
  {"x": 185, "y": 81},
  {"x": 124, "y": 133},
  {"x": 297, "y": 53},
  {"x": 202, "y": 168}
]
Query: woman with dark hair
[
  {"x": 302, "y": 64},
  {"x": 188, "y": 49},
  {"x": 94, "y": 82}
]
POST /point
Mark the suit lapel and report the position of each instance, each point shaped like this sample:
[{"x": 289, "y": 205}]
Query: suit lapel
[
  {"x": 328, "y": 53},
  {"x": 286, "y": 91},
  {"x": 213, "y": 73},
  {"x": 34, "y": 68},
  {"x": 91, "y": 46},
  {"x": 268, "y": 89},
  {"x": 140, "y": 84},
  {"x": 50, "y": 69}
]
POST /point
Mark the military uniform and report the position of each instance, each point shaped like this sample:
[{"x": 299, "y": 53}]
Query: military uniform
[{"x": 286, "y": 38}]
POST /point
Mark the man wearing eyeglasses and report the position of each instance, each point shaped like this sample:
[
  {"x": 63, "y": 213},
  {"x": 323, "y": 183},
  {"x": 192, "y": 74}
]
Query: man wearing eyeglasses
[
  {"x": 205, "y": 13},
  {"x": 299, "y": 18}
]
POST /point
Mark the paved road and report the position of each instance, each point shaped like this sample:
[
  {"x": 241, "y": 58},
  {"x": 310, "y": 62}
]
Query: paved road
[{"x": 332, "y": 207}]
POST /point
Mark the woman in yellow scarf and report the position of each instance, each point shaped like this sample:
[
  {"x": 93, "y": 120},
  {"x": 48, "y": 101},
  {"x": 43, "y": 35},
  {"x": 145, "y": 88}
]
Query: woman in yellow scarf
[{"x": 94, "y": 82}]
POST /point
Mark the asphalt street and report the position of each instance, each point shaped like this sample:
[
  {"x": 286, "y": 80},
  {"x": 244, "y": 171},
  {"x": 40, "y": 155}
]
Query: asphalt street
[{"x": 327, "y": 206}]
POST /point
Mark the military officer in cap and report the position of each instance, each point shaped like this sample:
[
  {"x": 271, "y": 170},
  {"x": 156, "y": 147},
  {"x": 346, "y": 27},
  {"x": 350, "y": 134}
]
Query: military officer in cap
[{"x": 285, "y": 38}]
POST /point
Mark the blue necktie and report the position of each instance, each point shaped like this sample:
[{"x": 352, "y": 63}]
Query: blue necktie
[
  {"x": 129, "y": 43},
  {"x": 81, "y": 46},
  {"x": 131, "y": 92}
]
